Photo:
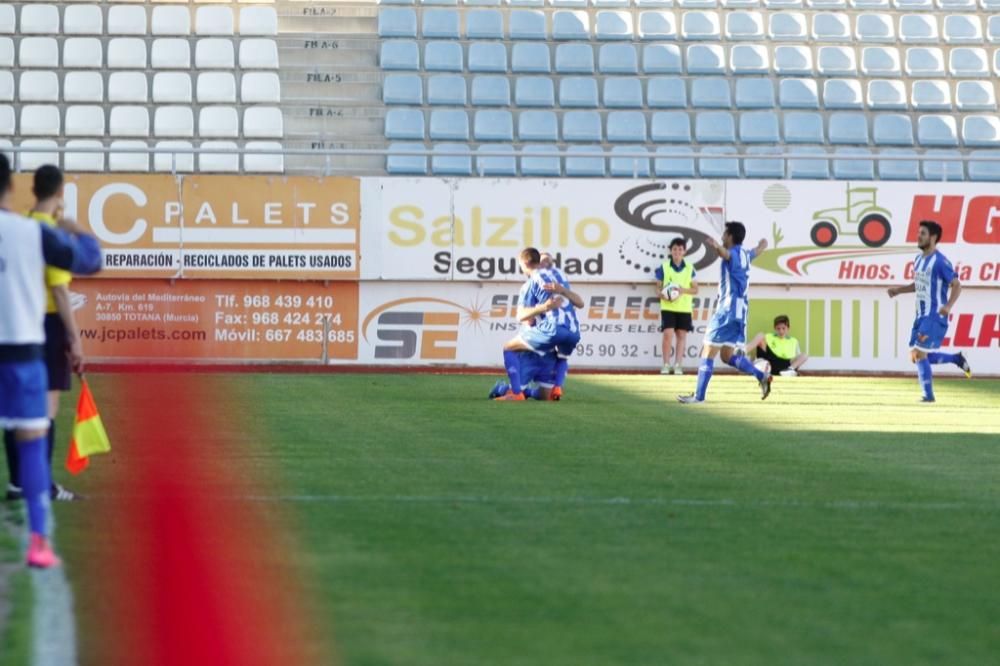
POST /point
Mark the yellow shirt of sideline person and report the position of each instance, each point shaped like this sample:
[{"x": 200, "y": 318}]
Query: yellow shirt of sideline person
[{"x": 54, "y": 277}]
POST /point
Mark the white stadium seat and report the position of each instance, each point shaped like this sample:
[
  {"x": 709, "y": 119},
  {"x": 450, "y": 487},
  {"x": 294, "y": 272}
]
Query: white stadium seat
[
  {"x": 258, "y": 21},
  {"x": 39, "y": 120},
  {"x": 7, "y": 121},
  {"x": 258, "y": 54},
  {"x": 261, "y": 163},
  {"x": 84, "y": 120},
  {"x": 173, "y": 121},
  {"x": 127, "y": 53},
  {"x": 179, "y": 162},
  {"x": 221, "y": 162},
  {"x": 39, "y": 52},
  {"x": 218, "y": 122},
  {"x": 83, "y": 87},
  {"x": 38, "y": 87},
  {"x": 216, "y": 88},
  {"x": 171, "y": 53},
  {"x": 39, "y": 19},
  {"x": 83, "y": 53},
  {"x": 128, "y": 88},
  {"x": 214, "y": 54},
  {"x": 130, "y": 161},
  {"x": 84, "y": 162},
  {"x": 129, "y": 121},
  {"x": 260, "y": 88},
  {"x": 83, "y": 20},
  {"x": 263, "y": 122},
  {"x": 171, "y": 20},
  {"x": 31, "y": 161},
  {"x": 6, "y": 86},
  {"x": 214, "y": 20},
  {"x": 172, "y": 88},
  {"x": 127, "y": 20}
]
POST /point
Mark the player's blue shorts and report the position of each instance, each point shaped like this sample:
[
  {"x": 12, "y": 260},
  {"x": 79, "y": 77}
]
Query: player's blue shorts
[
  {"x": 538, "y": 369},
  {"x": 724, "y": 331},
  {"x": 542, "y": 341},
  {"x": 23, "y": 401},
  {"x": 928, "y": 332}
]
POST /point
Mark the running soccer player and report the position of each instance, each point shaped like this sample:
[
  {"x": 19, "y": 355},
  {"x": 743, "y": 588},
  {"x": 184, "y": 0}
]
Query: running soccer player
[
  {"x": 560, "y": 285},
  {"x": 555, "y": 323},
  {"x": 63, "y": 351},
  {"x": 538, "y": 370},
  {"x": 937, "y": 288},
  {"x": 726, "y": 333},
  {"x": 26, "y": 247}
]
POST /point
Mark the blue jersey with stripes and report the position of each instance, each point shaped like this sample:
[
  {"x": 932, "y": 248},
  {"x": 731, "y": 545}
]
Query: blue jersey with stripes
[
  {"x": 734, "y": 284},
  {"x": 533, "y": 293},
  {"x": 932, "y": 277}
]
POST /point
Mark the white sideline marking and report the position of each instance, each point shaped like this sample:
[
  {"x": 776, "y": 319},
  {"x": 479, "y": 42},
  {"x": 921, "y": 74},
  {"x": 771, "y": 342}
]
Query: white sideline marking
[{"x": 53, "y": 624}]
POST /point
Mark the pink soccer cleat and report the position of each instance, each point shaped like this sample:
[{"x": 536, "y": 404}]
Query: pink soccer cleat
[{"x": 40, "y": 553}]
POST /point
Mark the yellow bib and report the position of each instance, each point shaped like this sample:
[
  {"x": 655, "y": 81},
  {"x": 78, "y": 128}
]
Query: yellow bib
[
  {"x": 782, "y": 347},
  {"x": 682, "y": 279}
]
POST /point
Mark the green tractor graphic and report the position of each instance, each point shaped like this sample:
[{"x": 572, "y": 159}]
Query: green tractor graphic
[{"x": 862, "y": 210}]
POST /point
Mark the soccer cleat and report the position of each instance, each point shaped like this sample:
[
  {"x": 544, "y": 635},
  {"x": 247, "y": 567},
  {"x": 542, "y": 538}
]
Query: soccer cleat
[
  {"x": 14, "y": 493},
  {"x": 556, "y": 393},
  {"x": 61, "y": 494},
  {"x": 788, "y": 373},
  {"x": 40, "y": 554},
  {"x": 688, "y": 399},
  {"x": 509, "y": 395},
  {"x": 765, "y": 386},
  {"x": 926, "y": 399},
  {"x": 678, "y": 370},
  {"x": 498, "y": 389},
  {"x": 964, "y": 364},
  {"x": 666, "y": 369}
]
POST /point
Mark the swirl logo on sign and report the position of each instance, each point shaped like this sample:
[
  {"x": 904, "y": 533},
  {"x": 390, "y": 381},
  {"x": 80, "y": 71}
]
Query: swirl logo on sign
[{"x": 665, "y": 211}]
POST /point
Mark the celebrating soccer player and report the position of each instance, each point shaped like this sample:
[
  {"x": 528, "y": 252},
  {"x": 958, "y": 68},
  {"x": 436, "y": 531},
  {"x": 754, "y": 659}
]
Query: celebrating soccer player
[
  {"x": 937, "y": 288},
  {"x": 727, "y": 331}
]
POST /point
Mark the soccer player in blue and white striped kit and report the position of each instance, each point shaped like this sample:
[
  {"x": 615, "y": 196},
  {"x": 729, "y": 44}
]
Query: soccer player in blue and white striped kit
[
  {"x": 937, "y": 288},
  {"x": 26, "y": 247},
  {"x": 727, "y": 332}
]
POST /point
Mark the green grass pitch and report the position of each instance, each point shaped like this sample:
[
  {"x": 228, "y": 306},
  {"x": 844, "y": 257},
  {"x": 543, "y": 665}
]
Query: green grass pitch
[{"x": 839, "y": 522}]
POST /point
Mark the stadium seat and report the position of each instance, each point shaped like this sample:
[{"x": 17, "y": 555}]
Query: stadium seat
[
  {"x": 487, "y": 57},
  {"x": 618, "y": 59},
  {"x": 263, "y": 122},
  {"x": 714, "y": 127},
  {"x": 263, "y": 162},
  {"x": 943, "y": 169},
  {"x": 759, "y": 127},
  {"x": 613, "y": 25},
  {"x": 7, "y": 87},
  {"x": 875, "y": 28},
  {"x": 848, "y": 128},
  {"x": 7, "y": 53},
  {"x": 214, "y": 21},
  {"x": 924, "y": 61},
  {"x": 208, "y": 53},
  {"x": 84, "y": 120},
  {"x": 260, "y": 88},
  {"x": 666, "y": 92},
  {"x": 449, "y": 125},
  {"x": 705, "y": 59},
  {"x": 39, "y": 120},
  {"x": 798, "y": 94},
  {"x": 962, "y": 29},
  {"x": 793, "y": 60},
  {"x": 968, "y": 62},
  {"x": 527, "y": 24},
  {"x": 39, "y": 19},
  {"x": 401, "y": 164},
  {"x": 803, "y": 127},
  {"x": 129, "y": 88},
  {"x": 8, "y": 20},
  {"x": 84, "y": 161},
  {"x": 570, "y": 25},
  {"x": 168, "y": 88},
  {"x": 578, "y": 92},
  {"x": 744, "y": 26},
  {"x": 585, "y": 166},
  {"x": 496, "y": 165},
  {"x": 787, "y": 26},
  {"x": 626, "y": 127},
  {"x": 83, "y": 87},
  {"x": 29, "y": 161},
  {"x": 440, "y": 24},
  {"x": 171, "y": 20},
  {"x": 836, "y": 61},
  {"x": 880, "y": 61},
  {"x": 842, "y": 94},
  {"x": 484, "y": 24},
  {"x": 673, "y": 167},
  {"x": 404, "y": 124},
  {"x": 534, "y": 91},
  {"x": 623, "y": 93},
  {"x": 446, "y": 90},
  {"x": 918, "y": 29},
  {"x": 830, "y": 27},
  {"x": 36, "y": 87},
  {"x": 985, "y": 170},
  {"x": 937, "y": 130},
  {"x": 886, "y": 95},
  {"x": 657, "y": 25},
  {"x": 851, "y": 166},
  {"x": 719, "y": 167},
  {"x": 173, "y": 121},
  {"x": 661, "y": 59},
  {"x": 490, "y": 91},
  {"x": 83, "y": 20},
  {"x": 218, "y": 122},
  {"x": 259, "y": 22},
  {"x": 981, "y": 131},
  {"x": 700, "y": 26},
  {"x": 399, "y": 54},
  {"x": 530, "y": 57},
  {"x": 224, "y": 161},
  {"x": 537, "y": 126},
  {"x": 892, "y": 129},
  {"x": 975, "y": 96},
  {"x": 402, "y": 89},
  {"x": 86, "y": 53},
  {"x": 898, "y": 169},
  {"x": 129, "y": 121},
  {"x": 443, "y": 57},
  {"x": 397, "y": 22},
  {"x": 749, "y": 59},
  {"x": 711, "y": 93},
  {"x": 216, "y": 88},
  {"x": 538, "y": 165},
  {"x": 808, "y": 169},
  {"x": 993, "y": 37},
  {"x": 670, "y": 127},
  {"x": 493, "y": 125},
  {"x": 756, "y": 166},
  {"x": 127, "y": 20},
  {"x": 756, "y": 93},
  {"x": 582, "y": 126},
  {"x": 175, "y": 53},
  {"x": 914, "y": 5},
  {"x": 931, "y": 95},
  {"x": 573, "y": 58},
  {"x": 257, "y": 53},
  {"x": 627, "y": 165}
]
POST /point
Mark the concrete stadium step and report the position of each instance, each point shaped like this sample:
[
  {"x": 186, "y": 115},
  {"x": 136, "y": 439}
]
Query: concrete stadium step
[
  {"x": 318, "y": 50},
  {"x": 335, "y": 123},
  {"x": 326, "y": 88},
  {"x": 333, "y": 18},
  {"x": 334, "y": 165}
]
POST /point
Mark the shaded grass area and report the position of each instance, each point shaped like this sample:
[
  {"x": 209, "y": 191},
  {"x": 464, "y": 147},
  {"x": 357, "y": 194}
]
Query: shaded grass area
[{"x": 15, "y": 592}]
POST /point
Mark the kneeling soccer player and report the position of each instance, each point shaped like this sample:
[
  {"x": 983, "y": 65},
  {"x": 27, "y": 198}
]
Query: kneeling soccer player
[{"x": 538, "y": 376}]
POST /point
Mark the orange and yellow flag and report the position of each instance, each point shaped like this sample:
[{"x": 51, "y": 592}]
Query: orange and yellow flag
[{"x": 89, "y": 436}]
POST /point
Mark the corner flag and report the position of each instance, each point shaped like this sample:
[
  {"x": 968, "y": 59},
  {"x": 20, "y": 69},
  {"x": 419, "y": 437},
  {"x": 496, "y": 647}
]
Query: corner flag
[{"x": 89, "y": 436}]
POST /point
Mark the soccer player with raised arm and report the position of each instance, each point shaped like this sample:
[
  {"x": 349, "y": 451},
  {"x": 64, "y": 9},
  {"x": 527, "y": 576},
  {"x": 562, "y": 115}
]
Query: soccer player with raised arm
[
  {"x": 937, "y": 288},
  {"x": 555, "y": 326},
  {"x": 26, "y": 247},
  {"x": 726, "y": 333}
]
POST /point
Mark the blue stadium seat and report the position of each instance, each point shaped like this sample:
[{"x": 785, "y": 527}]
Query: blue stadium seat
[
  {"x": 759, "y": 127},
  {"x": 798, "y": 94},
  {"x": 613, "y": 25},
  {"x": 705, "y": 59},
  {"x": 700, "y": 26},
  {"x": 626, "y": 127},
  {"x": 443, "y": 57},
  {"x": 618, "y": 59},
  {"x": 402, "y": 89},
  {"x": 957, "y": 5},
  {"x": 993, "y": 37},
  {"x": 918, "y": 29},
  {"x": 898, "y": 169},
  {"x": 657, "y": 25},
  {"x": 880, "y": 61},
  {"x": 654, "y": 3},
  {"x": 578, "y": 92},
  {"x": 490, "y": 91},
  {"x": 803, "y": 127},
  {"x": 446, "y": 90},
  {"x": 397, "y": 2},
  {"x": 530, "y": 58},
  {"x": 399, "y": 165},
  {"x": 886, "y": 95},
  {"x": 526, "y": 3},
  {"x": 962, "y": 29},
  {"x": 397, "y": 22},
  {"x": 915, "y": 5},
  {"x": 875, "y": 28},
  {"x": 837, "y": 61},
  {"x": 892, "y": 129},
  {"x": 831, "y": 27},
  {"x": 975, "y": 96},
  {"x": 534, "y": 91},
  {"x": 787, "y": 27},
  {"x": 484, "y": 24},
  {"x": 399, "y": 54},
  {"x": 570, "y": 25},
  {"x": 493, "y": 125},
  {"x": 440, "y": 23},
  {"x": 576, "y": 58},
  {"x": 661, "y": 59},
  {"x": 404, "y": 124},
  {"x": 793, "y": 60},
  {"x": 497, "y": 166},
  {"x": 848, "y": 128},
  {"x": 746, "y": 26},
  {"x": 711, "y": 93},
  {"x": 968, "y": 62},
  {"x": 670, "y": 127},
  {"x": 749, "y": 59},
  {"x": 623, "y": 93},
  {"x": 719, "y": 167},
  {"x": 931, "y": 95},
  {"x": 985, "y": 171},
  {"x": 673, "y": 167},
  {"x": 666, "y": 92},
  {"x": 808, "y": 169},
  {"x": 585, "y": 166},
  {"x": 758, "y": 167},
  {"x": 629, "y": 167},
  {"x": 487, "y": 57},
  {"x": 537, "y": 126},
  {"x": 714, "y": 127},
  {"x": 937, "y": 130},
  {"x": 981, "y": 131},
  {"x": 842, "y": 94},
  {"x": 851, "y": 166},
  {"x": 451, "y": 159},
  {"x": 527, "y": 24},
  {"x": 582, "y": 126},
  {"x": 540, "y": 166},
  {"x": 754, "y": 94},
  {"x": 924, "y": 61},
  {"x": 449, "y": 125},
  {"x": 941, "y": 169}
]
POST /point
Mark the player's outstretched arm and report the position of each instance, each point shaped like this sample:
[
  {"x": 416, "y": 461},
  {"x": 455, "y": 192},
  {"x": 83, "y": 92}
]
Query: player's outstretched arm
[
  {"x": 715, "y": 245},
  {"x": 955, "y": 289},
  {"x": 761, "y": 246},
  {"x": 70, "y": 249},
  {"x": 896, "y": 291}
]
